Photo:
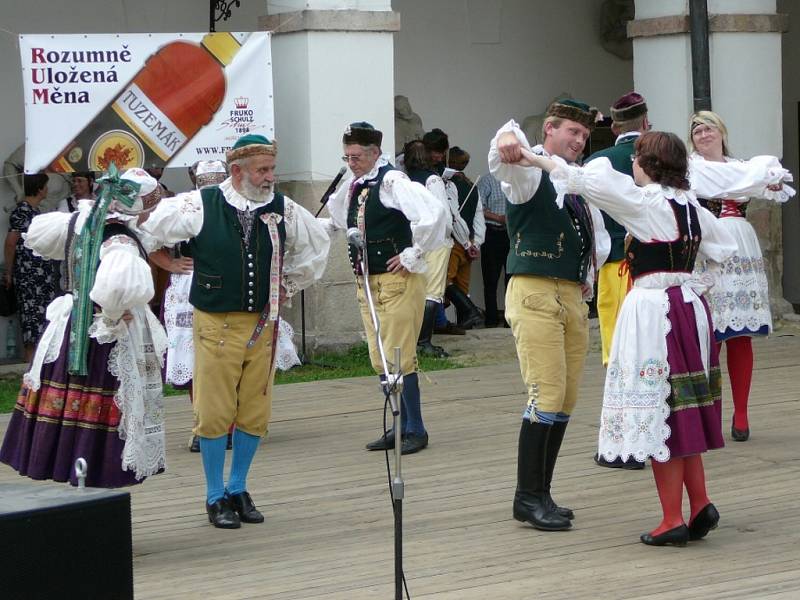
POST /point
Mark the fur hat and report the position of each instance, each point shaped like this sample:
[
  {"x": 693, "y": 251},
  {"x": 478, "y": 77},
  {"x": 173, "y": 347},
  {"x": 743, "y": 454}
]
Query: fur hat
[
  {"x": 574, "y": 110},
  {"x": 251, "y": 145},
  {"x": 363, "y": 134},
  {"x": 628, "y": 107}
]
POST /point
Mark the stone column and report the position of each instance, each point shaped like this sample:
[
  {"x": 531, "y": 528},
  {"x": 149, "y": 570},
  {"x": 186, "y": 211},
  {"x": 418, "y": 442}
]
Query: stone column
[
  {"x": 333, "y": 63},
  {"x": 745, "y": 56}
]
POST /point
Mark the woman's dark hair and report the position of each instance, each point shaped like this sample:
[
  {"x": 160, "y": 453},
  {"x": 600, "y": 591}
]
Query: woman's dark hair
[
  {"x": 415, "y": 157},
  {"x": 34, "y": 183},
  {"x": 662, "y": 156}
]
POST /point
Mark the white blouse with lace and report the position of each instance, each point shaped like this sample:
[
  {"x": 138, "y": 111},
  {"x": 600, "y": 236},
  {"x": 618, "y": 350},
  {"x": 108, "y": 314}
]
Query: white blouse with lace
[
  {"x": 425, "y": 213},
  {"x": 635, "y": 409},
  {"x": 123, "y": 284}
]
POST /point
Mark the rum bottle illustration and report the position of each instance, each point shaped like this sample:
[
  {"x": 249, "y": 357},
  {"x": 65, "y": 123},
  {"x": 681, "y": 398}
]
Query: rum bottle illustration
[{"x": 176, "y": 92}]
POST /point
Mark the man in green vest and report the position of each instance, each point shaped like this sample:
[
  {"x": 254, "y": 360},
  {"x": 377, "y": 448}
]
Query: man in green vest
[
  {"x": 399, "y": 221},
  {"x": 551, "y": 261},
  {"x": 252, "y": 249},
  {"x": 628, "y": 121}
]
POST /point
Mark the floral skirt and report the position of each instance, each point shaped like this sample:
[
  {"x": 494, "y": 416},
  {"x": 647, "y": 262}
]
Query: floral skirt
[
  {"x": 662, "y": 390},
  {"x": 71, "y": 417},
  {"x": 739, "y": 296}
]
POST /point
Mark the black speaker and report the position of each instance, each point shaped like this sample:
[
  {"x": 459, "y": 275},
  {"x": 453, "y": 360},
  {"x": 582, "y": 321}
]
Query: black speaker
[{"x": 62, "y": 542}]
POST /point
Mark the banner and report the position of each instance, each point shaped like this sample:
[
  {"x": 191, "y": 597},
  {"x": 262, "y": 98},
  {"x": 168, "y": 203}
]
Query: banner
[{"x": 142, "y": 100}]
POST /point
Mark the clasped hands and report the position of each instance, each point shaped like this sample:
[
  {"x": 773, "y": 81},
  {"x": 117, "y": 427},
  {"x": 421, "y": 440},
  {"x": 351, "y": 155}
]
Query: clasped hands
[{"x": 512, "y": 152}]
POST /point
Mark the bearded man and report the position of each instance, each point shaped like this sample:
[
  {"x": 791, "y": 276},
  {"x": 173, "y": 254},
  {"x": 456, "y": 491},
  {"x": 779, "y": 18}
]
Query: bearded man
[{"x": 252, "y": 249}]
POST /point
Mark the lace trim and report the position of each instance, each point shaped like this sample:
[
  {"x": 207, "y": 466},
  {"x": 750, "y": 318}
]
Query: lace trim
[
  {"x": 413, "y": 259},
  {"x": 135, "y": 363},
  {"x": 635, "y": 408},
  {"x": 566, "y": 179}
]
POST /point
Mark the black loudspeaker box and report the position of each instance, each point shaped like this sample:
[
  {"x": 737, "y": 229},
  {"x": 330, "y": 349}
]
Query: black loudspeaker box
[{"x": 60, "y": 543}]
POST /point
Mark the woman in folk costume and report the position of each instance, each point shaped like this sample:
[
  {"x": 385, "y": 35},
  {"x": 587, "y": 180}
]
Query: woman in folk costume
[
  {"x": 94, "y": 387},
  {"x": 662, "y": 390},
  {"x": 739, "y": 298}
]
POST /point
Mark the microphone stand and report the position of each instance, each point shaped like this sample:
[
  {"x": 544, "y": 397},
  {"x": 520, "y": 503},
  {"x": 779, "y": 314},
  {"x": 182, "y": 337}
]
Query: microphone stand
[
  {"x": 323, "y": 202},
  {"x": 392, "y": 389}
]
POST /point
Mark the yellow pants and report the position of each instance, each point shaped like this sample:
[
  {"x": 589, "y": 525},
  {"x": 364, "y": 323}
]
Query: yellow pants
[
  {"x": 232, "y": 383},
  {"x": 611, "y": 290},
  {"x": 436, "y": 273},
  {"x": 549, "y": 321},
  {"x": 459, "y": 268},
  {"x": 399, "y": 303}
]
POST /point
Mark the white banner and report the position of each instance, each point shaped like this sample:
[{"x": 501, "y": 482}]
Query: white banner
[{"x": 142, "y": 100}]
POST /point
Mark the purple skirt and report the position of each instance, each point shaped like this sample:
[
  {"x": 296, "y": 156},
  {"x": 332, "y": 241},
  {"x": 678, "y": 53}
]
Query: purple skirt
[
  {"x": 67, "y": 418},
  {"x": 695, "y": 403}
]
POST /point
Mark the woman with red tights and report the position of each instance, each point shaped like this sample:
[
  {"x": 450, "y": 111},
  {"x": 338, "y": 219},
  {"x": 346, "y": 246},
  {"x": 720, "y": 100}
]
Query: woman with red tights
[
  {"x": 739, "y": 298},
  {"x": 662, "y": 391}
]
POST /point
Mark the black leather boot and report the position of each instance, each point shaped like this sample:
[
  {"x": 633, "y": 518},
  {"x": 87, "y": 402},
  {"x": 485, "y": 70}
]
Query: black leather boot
[
  {"x": 469, "y": 315},
  {"x": 424, "y": 344},
  {"x": 554, "y": 440},
  {"x": 531, "y": 503}
]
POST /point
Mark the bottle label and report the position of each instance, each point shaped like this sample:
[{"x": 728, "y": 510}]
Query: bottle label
[{"x": 153, "y": 127}]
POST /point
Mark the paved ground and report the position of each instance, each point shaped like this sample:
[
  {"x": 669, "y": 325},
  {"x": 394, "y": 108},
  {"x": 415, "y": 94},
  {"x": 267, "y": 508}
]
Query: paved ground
[{"x": 328, "y": 532}]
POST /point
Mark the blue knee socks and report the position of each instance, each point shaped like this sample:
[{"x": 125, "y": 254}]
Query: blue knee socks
[
  {"x": 213, "y": 452},
  {"x": 412, "y": 405},
  {"x": 244, "y": 449}
]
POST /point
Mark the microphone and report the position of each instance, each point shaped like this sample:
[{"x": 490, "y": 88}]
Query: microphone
[
  {"x": 355, "y": 237},
  {"x": 332, "y": 186}
]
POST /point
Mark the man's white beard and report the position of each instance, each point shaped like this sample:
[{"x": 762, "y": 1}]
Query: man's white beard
[{"x": 254, "y": 193}]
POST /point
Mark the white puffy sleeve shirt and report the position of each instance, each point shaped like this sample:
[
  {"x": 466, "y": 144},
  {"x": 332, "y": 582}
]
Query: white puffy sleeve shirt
[
  {"x": 739, "y": 179},
  {"x": 123, "y": 278},
  {"x": 423, "y": 210},
  {"x": 643, "y": 211},
  {"x": 307, "y": 244}
]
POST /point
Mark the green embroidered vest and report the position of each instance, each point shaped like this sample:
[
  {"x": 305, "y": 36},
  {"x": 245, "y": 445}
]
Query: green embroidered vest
[
  {"x": 546, "y": 240},
  {"x": 388, "y": 231},
  {"x": 229, "y": 276}
]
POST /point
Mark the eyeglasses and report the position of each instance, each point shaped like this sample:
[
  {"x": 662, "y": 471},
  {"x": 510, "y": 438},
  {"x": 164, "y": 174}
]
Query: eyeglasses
[{"x": 352, "y": 158}]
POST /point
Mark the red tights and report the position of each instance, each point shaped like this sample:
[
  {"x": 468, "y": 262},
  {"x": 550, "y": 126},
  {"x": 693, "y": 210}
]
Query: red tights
[
  {"x": 740, "y": 370},
  {"x": 671, "y": 477}
]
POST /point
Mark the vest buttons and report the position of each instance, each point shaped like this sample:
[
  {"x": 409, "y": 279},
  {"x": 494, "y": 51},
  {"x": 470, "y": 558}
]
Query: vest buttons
[
  {"x": 250, "y": 309},
  {"x": 250, "y": 292},
  {"x": 208, "y": 286},
  {"x": 251, "y": 273},
  {"x": 250, "y": 266},
  {"x": 249, "y": 256},
  {"x": 251, "y": 285}
]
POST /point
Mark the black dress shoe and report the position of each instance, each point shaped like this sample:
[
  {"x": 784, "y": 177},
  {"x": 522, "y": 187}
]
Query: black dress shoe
[
  {"x": 242, "y": 503},
  {"x": 706, "y": 520},
  {"x": 194, "y": 445},
  {"x": 222, "y": 515},
  {"x": 385, "y": 442},
  {"x": 679, "y": 536},
  {"x": 534, "y": 509},
  {"x": 739, "y": 435},
  {"x": 414, "y": 442}
]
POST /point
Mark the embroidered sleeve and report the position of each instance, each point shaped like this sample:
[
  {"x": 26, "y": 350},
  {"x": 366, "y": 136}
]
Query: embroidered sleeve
[{"x": 176, "y": 219}]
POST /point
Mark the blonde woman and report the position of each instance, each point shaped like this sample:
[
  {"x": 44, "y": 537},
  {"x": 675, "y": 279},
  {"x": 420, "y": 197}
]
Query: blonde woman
[{"x": 739, "y": 299}]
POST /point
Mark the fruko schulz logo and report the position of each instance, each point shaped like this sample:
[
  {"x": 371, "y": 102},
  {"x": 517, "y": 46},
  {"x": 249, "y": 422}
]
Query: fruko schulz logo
[{"x": 240, "y": 117}]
